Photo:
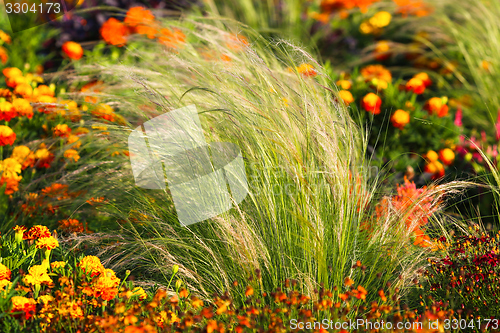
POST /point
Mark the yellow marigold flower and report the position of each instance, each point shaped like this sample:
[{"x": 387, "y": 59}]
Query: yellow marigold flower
[
  {"x": 4, "y": 37},
  {"x": 37, "y": 275},
  {"x": 432, "y": 156},
  {"x": 23, "y": 107},
  {"x": 47, "y": 243},
  {"x": 57, "y": 264},
  {"x": 7, "y": 135},
  {"x": 24, "y": 156},
  {"x": 72, "y": 154},
  {"x": 23, "y": 304},
  {"x": 381, "y": 50},
  {"x": 5, "y": 284},
  {"x": 45, "y": 299},
  {"x": 346, "y": 96},
  {"x": 447, "y": 156},
  {"x": 11, "y": 72},
  {"x": 10, "y": 168},
  {"x": 81, "y": 131},
  {"x": 61, "y": 130},
  {"x": 91, "y": 265},
  {"x": 7, "y": 111},
  {"x": 138, "y": 291},
  {"x": 400, "y": 118},
  {"x": 43, "y": 90},
  {"x": 75, "y": 140},
  {"x": 24, "y": 89},
  {"x": 366, "y": 28},
  {"x": 380, "y": 19},
  {"x": 71, "y": 309},
  {"x": 344, "y": 84},
  {"x": 5, "y": 272}
]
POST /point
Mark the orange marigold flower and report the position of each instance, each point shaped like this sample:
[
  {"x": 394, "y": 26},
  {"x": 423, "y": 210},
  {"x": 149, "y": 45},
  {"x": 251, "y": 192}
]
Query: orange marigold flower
[
  {"x": 11, "y": 72},
  {"x": 415, "y": 85},
  {"x": 5, "y": 93},
  {"x": 149, "y": 31},
  {"x": 3, "y": 55},
  {"x": 447, "y": 156},
  {"x": 106, "y": 286},
  {"x": 307, "y": 70},
  {"x": 25, "y": 305},
  {"x": 424, "y": 77},
  {"x": 346, "y": 96},
  {"x": 114, "y": 32},
  {"x": 24, "y": 156},
  {"x": 43, "y": 90},
  {"x": 36, "y": 232},
  {"x": 15, "y": 80},
  {"x": 61, "y": 130},
  {"x": 382, "y": 296},
  {"x": 437, "y": 106},
  {"x": 43, "y": 157},
  {"x": 47, "y": 243},
  {"x": 72, "y": 154},
  {"x": 73, "y": 50},
  {"x": 172, "y": 39},
  {"x": 435, "y": 168},
  {"x": 418, "y": 8},
  {"x": 104, "y": 111},
  {"x": 5, "y": 272},
  {"x": 400, "y": 118},
  {"x": 23, "y": 107},
  {"x": 56, "y": 190},
  {"x": 4, "y": 37},
  {"x": 237, "y": 42},
  {"x": 421, "y": 239},
  {"x": 74, "y": 140},
  {"x": 138, "y": 15},
  {"x": 71, "y": 225},
  {"x": 371, "y": 103},
  {"x": 7, "y": 136},
  {"x": 378, "y": 72},
  {"x": 348, "y": 282},
  {"x": 360, "y": 293},
  {"x": 381, "y": 50},
  {"x": 12, "y": 184},
  {"x": 24, "y": 89},
  {"x": 249, "y": 291},
  {"x": 91, "y": 265},
  {"x": 183, "y": 293},
  {"x": 344, "y": 84}
]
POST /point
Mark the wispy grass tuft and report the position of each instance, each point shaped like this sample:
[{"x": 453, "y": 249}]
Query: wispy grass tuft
[{"x": 310, "y": 184}]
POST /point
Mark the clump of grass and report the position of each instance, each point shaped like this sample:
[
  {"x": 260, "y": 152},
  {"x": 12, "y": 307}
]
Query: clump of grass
[
  {"x": 472, "y": 31},
  {"x": 309, "y": 181}
]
